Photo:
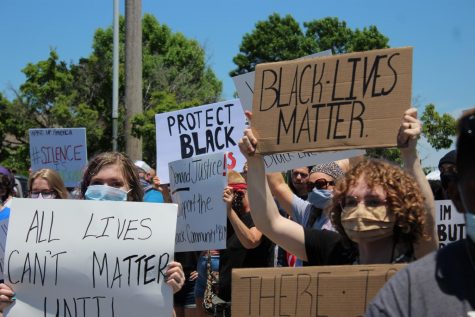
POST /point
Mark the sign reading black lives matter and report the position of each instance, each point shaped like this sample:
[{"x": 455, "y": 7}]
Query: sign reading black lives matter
[
  {"x": 331, "y": 103},
  {"x": 63, "y": 150},
  {"x": 200, "y": 130},
  {"x": 450, "y": 223},
  {"x": 197, "y": 185},
  {"x": 89, "y": 258}
]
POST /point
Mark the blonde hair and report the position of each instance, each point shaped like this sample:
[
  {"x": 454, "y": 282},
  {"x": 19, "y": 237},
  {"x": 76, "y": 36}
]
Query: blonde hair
[{"x": 54, "y": 181}]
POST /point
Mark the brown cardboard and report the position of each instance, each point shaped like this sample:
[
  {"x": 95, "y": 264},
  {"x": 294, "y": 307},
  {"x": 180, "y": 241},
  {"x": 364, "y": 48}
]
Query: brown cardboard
[
  {"x": 308, "y": 291},
  {"x": 355, "y": 109}
]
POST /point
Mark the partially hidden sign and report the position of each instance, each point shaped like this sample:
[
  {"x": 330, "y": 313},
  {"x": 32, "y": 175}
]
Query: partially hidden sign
[
  {"x": 89, "y": 258},
  {"x": 331, "y": 103},
  {"x": 200, "y": 130},
  {"x": 450, "y": 223},
  {"x": 197, "y": 185},
  {"x": 63, "y": 150},
  {"x": 329, "y": 291}
]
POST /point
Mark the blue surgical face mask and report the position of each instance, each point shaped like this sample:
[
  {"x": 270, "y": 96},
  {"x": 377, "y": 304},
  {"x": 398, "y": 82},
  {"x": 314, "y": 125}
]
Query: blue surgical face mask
[
  {"x": 470, "y": 223},
  {"x": 104, "y": 192},
  {"x": 319, "y": 198}
]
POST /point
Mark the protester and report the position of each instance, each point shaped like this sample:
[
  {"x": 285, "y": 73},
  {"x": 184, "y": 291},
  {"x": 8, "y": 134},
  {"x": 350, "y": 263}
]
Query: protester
[
  {"x": 442, "y": 283},
  {"x": 7, "y": 183},
  {"x": 110, "y": 176},
  {"x": 146, "y": 175},
  {"x": 448, "y": 172},
  {"x": 211, "y": 257},
  {"x": 46, "y": 184},
  {"x": 184, "y": 300},
  {"x": 298, "y": 181},
  {"x": 383, "y": 210},
  {"x": 246, "y": 246}
]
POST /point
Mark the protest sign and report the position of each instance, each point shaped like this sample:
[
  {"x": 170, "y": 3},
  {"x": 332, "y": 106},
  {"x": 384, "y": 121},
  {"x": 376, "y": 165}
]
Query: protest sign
[
  {"x": 194, "y": 131},
  {"x": 450, "y": 223},
  {"x": 3, "y": 239},
  {"x": 63, "y": 150},
  {"x": 244, "y": 83},
  {"x": 197, "y": 185},
  {"x": 331, "y": 103},
  {"x": 308, "y": 291},
  {"x": 89, "y": 258},
  {"x": 285, "y": 161}
]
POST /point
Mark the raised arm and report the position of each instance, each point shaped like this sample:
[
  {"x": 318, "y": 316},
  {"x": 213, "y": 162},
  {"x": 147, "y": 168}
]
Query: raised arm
[
  {"x": 266, "y": 217},
  {"x": 409, "y": 132},
  {"x": 281, "y": 191}
]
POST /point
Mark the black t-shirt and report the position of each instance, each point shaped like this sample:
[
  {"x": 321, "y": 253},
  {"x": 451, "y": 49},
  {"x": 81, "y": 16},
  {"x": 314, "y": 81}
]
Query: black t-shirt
[
  {"x": 236, "y": 256},
  {"x": 325, "y": 247}
]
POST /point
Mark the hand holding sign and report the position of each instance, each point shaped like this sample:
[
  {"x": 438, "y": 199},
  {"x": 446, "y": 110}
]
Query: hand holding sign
[{"x": 410, "y": 129}]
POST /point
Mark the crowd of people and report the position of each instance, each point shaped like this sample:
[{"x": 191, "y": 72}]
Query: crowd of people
[{"x": 354, "y": 211}]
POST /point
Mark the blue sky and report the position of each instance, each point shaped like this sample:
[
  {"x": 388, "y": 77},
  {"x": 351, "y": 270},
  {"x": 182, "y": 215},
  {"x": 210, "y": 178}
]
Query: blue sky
[{"x": 442, "y": 33}]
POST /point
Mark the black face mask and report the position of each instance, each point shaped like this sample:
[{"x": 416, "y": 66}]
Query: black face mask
[
  {"x": 237, "y": 201},
  {"x": 446, "y": 178}
]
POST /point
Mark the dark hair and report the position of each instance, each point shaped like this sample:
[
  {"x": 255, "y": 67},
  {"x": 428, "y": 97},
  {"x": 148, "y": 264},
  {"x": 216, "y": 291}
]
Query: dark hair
[
  {"x": 128, "y": 171},
  {"x": 466, "y": 142},
  {"x": 403, "y": 196},
  {"x": 6, "y": 182}
]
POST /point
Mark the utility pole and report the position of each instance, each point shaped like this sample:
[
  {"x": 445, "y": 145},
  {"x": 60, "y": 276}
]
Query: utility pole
[
  {"x": 115, "y": 77},
  {"x": 133, "y": 74}
]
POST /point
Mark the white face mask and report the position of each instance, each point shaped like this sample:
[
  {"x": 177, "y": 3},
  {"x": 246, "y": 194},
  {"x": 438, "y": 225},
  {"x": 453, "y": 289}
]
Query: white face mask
[
  {"x": 104, "y": 192},
  {"x": 364, "y": 224}
]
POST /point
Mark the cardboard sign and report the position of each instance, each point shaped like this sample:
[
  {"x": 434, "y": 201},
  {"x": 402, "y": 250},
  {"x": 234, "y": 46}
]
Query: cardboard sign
[
  {"x": 194, "y": 131},
  {"x": 285, "y": 161},
  {"x": 331, "y": 103},
  {"x": 3, "y": 240},
  {"x": 450, "y": 223},
  {"x": 89, "y": 258},
  {"x": 197, "y": 185},
  {"x": 244, "y": 83},
  {"x": 308, "y": 291},
  {"x": 63, "y": 150}
]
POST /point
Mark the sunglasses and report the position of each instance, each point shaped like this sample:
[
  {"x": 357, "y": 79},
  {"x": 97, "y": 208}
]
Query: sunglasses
[
  {"x": 351, "y": 202},
  {"x": 320, "y": 183},
  {"x": 44, "y": 195}
]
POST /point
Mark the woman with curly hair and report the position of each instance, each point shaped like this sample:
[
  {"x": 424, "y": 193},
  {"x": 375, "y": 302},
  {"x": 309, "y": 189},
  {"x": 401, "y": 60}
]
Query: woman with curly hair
[{"x": 378, "y": 209}]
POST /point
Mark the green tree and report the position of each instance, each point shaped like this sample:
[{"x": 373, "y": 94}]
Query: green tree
[
  {"x": 439, "y": 130},
  {"x": 55, "y": 94},
  {"x": 281, "y": 38}
]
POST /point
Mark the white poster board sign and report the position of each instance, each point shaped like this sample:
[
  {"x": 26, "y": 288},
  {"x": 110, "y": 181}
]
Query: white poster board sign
[
  {"x": 89, "y": 258},
  {"x": 450, "y": 223},
  {"x": 286, "y": 161},
  {"x": 200, "y": 130},
  {"x": 197, "y": 185},
  {"x": 3, "y": 240},
  {"x": 63, "y": 150}
]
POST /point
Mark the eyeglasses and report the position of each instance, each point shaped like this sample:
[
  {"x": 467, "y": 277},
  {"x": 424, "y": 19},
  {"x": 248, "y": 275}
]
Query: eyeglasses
[
  {"x": 320, "y": 183},
  {"x": 351, "y": 202},
  {"x": 44, "y": 195}
]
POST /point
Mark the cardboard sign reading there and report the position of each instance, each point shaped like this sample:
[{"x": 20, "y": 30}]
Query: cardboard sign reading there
[
  {"x": 450, "y": 223},
  {"x": 89, "y": 258},
  {"x": 308, "y": 291},
  {"x": 197, "y": 186},
  {"x": 330, "y": 103},
  {"x": 63, "y": 150}
]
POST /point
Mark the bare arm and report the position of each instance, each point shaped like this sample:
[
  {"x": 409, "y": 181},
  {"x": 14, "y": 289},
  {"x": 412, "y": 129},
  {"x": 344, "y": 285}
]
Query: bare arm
[
  {"x": 281, "y": 191},
  {"x": 266, "y": 217},
  {"x": 250, "y": 238},
  {"x": 407, "y": 140}
]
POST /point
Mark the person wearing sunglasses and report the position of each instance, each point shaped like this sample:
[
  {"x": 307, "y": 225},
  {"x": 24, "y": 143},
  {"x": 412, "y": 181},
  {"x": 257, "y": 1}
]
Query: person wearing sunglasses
[
  {"x": 382, "y": 223},
  {"x": 46, "y": 184},
  {"x": 441, "y": 283}
]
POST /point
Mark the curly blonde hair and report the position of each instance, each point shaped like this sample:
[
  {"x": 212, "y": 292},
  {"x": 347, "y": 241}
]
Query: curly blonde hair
[{"x": 403, "y": 195}]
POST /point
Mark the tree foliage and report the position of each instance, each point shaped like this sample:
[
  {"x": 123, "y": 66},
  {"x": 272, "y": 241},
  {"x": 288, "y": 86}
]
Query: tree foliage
[
  {"x": 438, "y": 129},
  {"x": 281, "y": 38},
  {"x": 55, "y": 94}
]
